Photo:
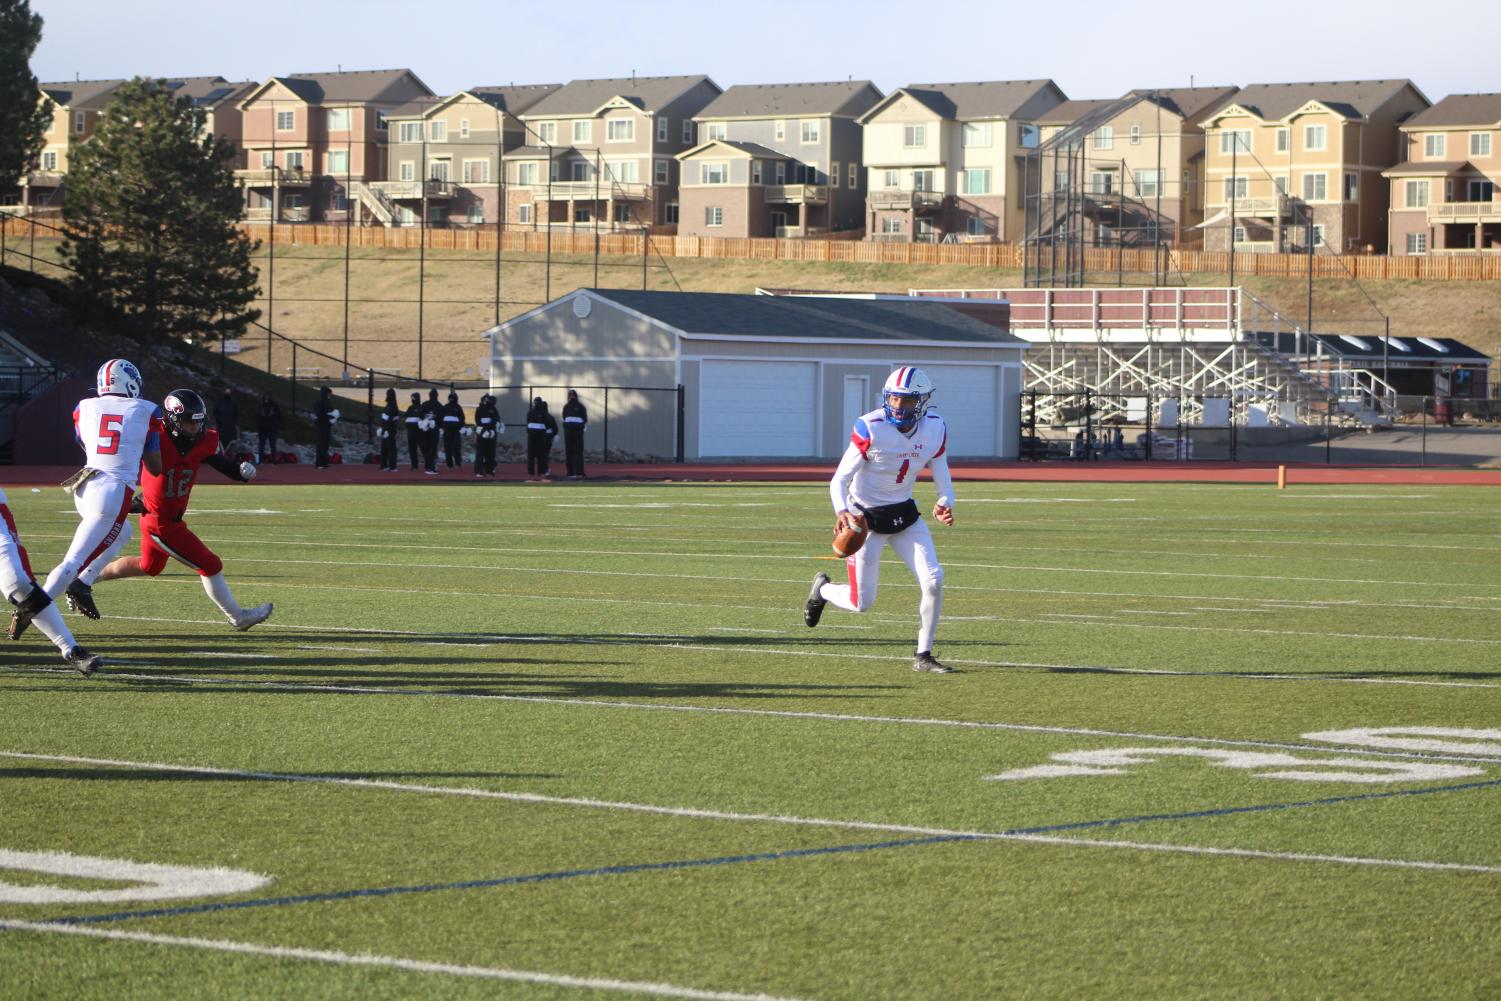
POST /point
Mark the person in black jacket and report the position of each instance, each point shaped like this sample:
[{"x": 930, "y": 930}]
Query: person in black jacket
[
  {"x": 324, "y": 417},
  {"x": 541, "y": 429},
  {"x": 414, "y": 432},
  {"x": 487, "y": 427},
  {"x": 575, "y": 420},
  {"x": 227, "y": 421},
  {"x": 453, "y": 426},
  {"x": 432, "y": 417},
  {"x": 267, "y": 425},
  {"x": 390, "y": 423}
]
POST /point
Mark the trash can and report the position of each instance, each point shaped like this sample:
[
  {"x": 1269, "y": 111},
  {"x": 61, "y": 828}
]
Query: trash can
[{"x": 1441, "y": 411}]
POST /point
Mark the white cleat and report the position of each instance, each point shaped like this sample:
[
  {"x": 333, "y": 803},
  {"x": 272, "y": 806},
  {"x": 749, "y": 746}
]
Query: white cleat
[{"x": 252, "y": 617}]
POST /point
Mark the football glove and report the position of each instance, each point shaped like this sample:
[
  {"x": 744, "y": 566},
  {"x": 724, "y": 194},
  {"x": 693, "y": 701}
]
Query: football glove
[{"x": 248, "y": 470}]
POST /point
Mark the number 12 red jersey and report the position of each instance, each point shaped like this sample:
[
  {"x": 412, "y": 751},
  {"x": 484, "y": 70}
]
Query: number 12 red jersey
[{"x": 166, "y": 496}]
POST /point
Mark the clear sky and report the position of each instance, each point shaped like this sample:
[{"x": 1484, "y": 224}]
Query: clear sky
[{"x": 1092, "y": 49}]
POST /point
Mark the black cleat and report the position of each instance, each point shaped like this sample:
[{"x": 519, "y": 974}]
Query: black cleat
[
  {"x": 19, "y": 620},
  {"x": 83, "y": 662},
  {"x": 927, "y": 662},
  {"x": 813, "y": 610},
  {"x": 80, "y": 597}
]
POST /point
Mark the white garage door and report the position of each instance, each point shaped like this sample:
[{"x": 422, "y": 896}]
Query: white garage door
[
  {"x": 967, "y": 397},
  {"x": 756, "y": 408}
]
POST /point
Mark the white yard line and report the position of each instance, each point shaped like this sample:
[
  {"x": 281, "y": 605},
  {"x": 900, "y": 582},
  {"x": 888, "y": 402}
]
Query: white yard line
[
  {"x": 389, "y": 962},
  {"x": 788, "y": 819}
]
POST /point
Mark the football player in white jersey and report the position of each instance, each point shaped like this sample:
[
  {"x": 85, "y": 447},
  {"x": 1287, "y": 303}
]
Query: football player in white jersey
[
  {"x": 21, "y": 589},
  {"x": 888, "y": 448},
  {"x": 119, "y": 433}
]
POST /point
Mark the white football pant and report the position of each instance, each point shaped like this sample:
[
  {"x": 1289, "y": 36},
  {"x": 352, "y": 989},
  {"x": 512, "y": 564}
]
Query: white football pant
[
  {"x": 915, "y": 547},
  {"x": 104, "y": 504},
  {"x": 16, "y": 585}
]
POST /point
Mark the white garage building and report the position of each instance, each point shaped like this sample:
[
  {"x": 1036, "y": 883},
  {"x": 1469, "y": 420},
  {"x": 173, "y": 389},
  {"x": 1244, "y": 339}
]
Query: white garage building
[{"x": 762, "y": 377}]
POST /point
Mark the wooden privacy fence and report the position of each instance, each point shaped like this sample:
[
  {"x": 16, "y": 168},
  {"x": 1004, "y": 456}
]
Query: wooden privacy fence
[{"x": 851, "y": 250}]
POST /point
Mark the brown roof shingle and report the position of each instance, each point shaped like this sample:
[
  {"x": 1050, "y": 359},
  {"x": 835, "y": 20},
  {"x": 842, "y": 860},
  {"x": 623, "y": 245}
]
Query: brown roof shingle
[
  {"x": 1458, "y": 110},
  {"x": 848, "y": 98}
]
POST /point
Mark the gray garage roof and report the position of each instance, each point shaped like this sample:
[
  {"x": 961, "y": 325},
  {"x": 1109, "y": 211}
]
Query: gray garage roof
[{"x": 710, "y": 314}]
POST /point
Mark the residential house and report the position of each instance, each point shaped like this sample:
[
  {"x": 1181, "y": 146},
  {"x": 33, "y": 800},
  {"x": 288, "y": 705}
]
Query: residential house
[
  {"x": 604, "y": 151},
  {"x": 447, "y": 154},
  {"x": 76, "y": 108},
  {"x": 777, "y": 160},
  {"x": 313, "y": 141},
  {"x": 1285, "y": 158},
  {"x": 1443, "y": 193},
  {"x": 1141, "y": 164},
  {"x": 941, "y": 159}
]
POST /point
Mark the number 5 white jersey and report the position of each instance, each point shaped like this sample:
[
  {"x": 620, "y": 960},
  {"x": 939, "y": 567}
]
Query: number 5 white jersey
[
  {"x": 881, "y": 464},
  {"x": 115, "y": 431}
]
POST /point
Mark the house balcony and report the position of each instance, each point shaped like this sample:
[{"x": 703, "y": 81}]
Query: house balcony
[
  {"x": 907, "y": 201},
  {"x": 798, "y": 232},
  {"x": 1465, "y": 212},
  {"x": 298, "y": 213},
  {"x": 1266, "y": 208},
  {"x": 414, "y": 190},
  {"x": 270, "y": 177},
  {"x": 797, "y": 194},
  {"x": 588, "y": 191},
  {"x": 44, "y": 179}
]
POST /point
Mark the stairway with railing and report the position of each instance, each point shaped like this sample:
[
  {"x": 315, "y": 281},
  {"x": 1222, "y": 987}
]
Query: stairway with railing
[
  {"x": 23, "y": 374},
  {"x": 375, "y": 201}
]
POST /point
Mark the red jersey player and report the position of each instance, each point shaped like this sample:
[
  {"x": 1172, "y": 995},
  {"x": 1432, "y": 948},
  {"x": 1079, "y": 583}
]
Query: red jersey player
[{"x": 189, "y": 445}]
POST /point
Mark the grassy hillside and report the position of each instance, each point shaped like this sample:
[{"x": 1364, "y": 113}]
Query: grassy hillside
[{"x": 383, "y": 323}]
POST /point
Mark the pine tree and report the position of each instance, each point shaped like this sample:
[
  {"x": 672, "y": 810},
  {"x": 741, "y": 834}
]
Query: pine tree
[
  {"x": 23, "y": 115},
  {"x": 151, "y": 207}
]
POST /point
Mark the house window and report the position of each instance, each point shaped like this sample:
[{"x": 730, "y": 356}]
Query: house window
[
  {"x": 526, "y": 174},
  {"x": 547, "y": 133},
  {"x": 1315, "y": 187},
  {"x": 338, "y": 119},
  {"x": 1433, "y": 145},
  {"x": 714, "y": 216},
  {"x": 625, "y": 171},
  {"x": 409, "y": 132},
  {"x": 670, "y": 214},
  {"x": 1102, "y": 182},
  {"x": 620, "y": 130},
  {"x": 1104, "y": 137},
  {"x": 1236, "y": 187},
  {"x": 407, "y": 171},
  {"x": 813, "y": 176},
  {"x": 688, "y": 130},
  {"x": 977, "y": 182},
  {"x": 1315, "y": 137},
  {"x": 439, "y": 131},
  {"x": 1061, "y": 180},
  {"x": 1480, "y": 190},
  {"x": 294, "y": 159},
  {"x": 854, "y": 179},
  {"x": 891, "y": 225},
  {"x": 437, "y": 214},
  {"x": 1240, "y": 234},
  {"x": 464, "y": 129},
  {"x": 286, "y": 121},
  {"x": 779, "y": 129},
  {"x": 1235, "y": 139},
  {"x": 268, "y": 159},
  {"x": 660, "y": 172},
  {"x": 1416, "y": 194},
  {"x": 1480, "y": 144},
  {"x": 976, "y": 134},
  {"x": 49, "y": 160},
  {"x": 476, "y": 213},
  {"x": 716, "y": 173},
  {"x": 476, "y": 171},
  {"x": 1318, "y": 234},
  {"x": 1136, "y": 135},
  {"x": 663, "y": 124},
  {"x": 892, "y": 178},
  {"x": 810, "y": 131},
  {"x": 523, "y": 213},
  {"x": 974, "y": 226},
  {"x": 1417, "y": 243},
  {"x": 583, "y": 128},
  {"x": 1148, "y": 183},
  {"x": 440, "y": 170},
  {"x": 81, "y": 121},
  {"x": 914, "y": 135},
  {"x": 1352, "y": 186},
  {"x": 380, "y": 121},
  {"x": 834, "y": 173},
  {"x": 710, "y": 131},
  {"x": 580, "y": 170},
  {"x": 1028, "y": 136},
  {"x": 1282, "y": 140},
  {"x": 922, "y": 180},
  {"x": 755, "y": 171},
  {"x": 338, "y": 161},
  {"x": 781, "y": 171}
]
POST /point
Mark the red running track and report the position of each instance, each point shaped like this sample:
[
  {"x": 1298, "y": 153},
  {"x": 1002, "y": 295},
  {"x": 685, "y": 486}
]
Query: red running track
[{"x": 1056, "y": 472}]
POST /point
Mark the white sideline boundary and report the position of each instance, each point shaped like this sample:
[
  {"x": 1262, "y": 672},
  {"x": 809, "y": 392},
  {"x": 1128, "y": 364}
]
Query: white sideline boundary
[
  {"x": 388, "y": 962},
  {"x": 700, "y": 814}
]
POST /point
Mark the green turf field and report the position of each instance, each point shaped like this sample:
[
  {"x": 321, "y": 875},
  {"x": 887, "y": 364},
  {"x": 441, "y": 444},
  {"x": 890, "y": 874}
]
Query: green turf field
[{"x": 569, "y": 742}]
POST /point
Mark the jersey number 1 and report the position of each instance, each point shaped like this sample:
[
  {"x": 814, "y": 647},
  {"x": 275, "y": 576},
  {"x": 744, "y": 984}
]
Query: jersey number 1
[{"x": 901, "y": 474}]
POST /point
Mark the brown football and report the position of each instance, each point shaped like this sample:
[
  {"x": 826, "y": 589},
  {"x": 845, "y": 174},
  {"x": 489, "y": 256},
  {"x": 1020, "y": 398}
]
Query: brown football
[{"x": 847, "y": 542}]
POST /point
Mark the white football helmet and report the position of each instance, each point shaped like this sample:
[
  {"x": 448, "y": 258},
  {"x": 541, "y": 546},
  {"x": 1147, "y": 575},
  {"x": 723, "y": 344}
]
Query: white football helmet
[
  {"x": 118, "y": 377},
  {"x": 911, "y": 387}
]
